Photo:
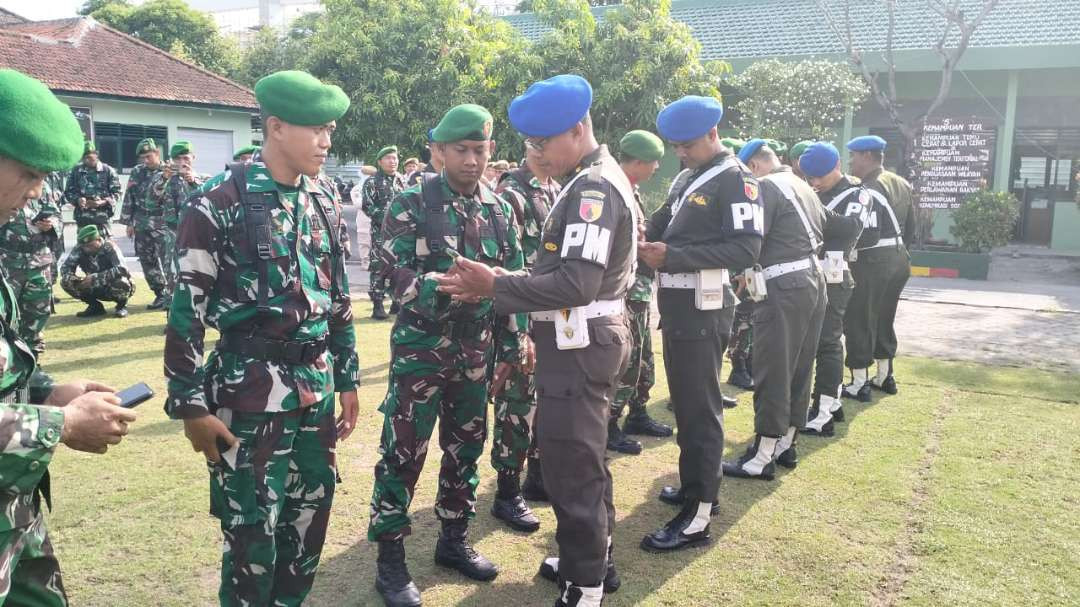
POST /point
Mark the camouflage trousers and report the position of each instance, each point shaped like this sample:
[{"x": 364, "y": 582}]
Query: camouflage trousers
[
  {"x": 151, "y": 246},
  {"x": 640, "y": 375},
  {"x": 119, "y": 289},
  {"x": 274, "y": 506},
  {"x": 377, "y": 286},
  {"x": 513, "y": 436},
  {"x": 432, "y": 377},
  {"x": 33, "y": 292},
  {"x": 170, "y": 268},
  {"x": 29, "y": 571},
  {"x": 740, "y": 349}
]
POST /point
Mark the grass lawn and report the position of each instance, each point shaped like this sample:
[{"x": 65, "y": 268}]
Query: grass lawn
[{"x": 962, "y": 490}]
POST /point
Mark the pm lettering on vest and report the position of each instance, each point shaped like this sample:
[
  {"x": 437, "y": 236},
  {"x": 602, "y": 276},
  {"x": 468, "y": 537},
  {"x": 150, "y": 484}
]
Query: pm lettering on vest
[
  {"x": 743, "y": 212},
  {"x": 586, "y": 241},
  {"x": 856, "y": 209}
]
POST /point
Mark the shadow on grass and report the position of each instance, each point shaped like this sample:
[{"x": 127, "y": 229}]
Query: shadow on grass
[
  {"x": 1020, "y": 382},
  {"x": 94, "y": 339},
  {"x": 97, "y": 362}
]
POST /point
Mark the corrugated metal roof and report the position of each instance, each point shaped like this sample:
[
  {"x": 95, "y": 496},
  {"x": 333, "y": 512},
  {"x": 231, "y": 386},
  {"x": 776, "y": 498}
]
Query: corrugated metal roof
[{"x": 734, "y": 29}]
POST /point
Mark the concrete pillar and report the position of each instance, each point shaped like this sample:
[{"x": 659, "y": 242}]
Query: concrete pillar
[{"x": 1006, "y": 135}]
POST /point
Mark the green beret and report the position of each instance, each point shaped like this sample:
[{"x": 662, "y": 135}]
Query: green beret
[
  {"x": 777, "y": 146},
  {"x": 797, "y": 150},
  {"x": 467, "y": 121},
  {"x": 146, "y": 145},
  {"x": 36, "y": 128},
  {"x": 89, "y": 147},
  {"x": 733, "y": 143},
  {"x": 390, "y": 149},
  {"x": 88, "y": 233},
  {"x": 642, "y": 145},
  {"x": 247, "y": 149},
  {"x": 299, "y": 98},
  {"x": 180, "y": 147}
]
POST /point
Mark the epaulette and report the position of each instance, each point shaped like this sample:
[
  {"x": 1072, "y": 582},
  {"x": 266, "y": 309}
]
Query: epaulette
[{"x": 595, "y": 172}]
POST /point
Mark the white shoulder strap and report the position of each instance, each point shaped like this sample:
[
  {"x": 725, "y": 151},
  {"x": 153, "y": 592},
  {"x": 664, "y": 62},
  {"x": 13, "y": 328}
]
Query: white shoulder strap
[
  {"x": 615, "y": 175},
  {"x": 675, "y": 182},
  {"x": 564, "y": 191},
  {"x": 878, "y": 196},
  {"x": 841, "y": 197},
  {"x": 702, "y": 180},
  {"x": 789, "y": 193}
]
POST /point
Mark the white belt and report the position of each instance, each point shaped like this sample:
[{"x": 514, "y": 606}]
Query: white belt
[
  {"x": 597, "y": 309},
  {"x": 884, "y": 242},
  {"x": 780, "y": 269},
  {"x": 685, "y": 280}
]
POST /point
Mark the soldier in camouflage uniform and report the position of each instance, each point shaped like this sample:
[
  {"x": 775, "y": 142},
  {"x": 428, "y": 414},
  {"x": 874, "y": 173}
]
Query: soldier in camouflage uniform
[
  {"x": 26, "y": 255},
  {"x": 143, "y": 214},
  {"x": 260, "y": 262},
  {"x": 38, "y": 134},
  {"x": 93, "y": 188},
  {"x": 105, "y": 274},
  {"x": 377, "y": 193},
  {"x": 742, "y": 338},
  {"x": 530, "y": 192},
  {"x": 57, "y": 182},
  {"x": 640, "y": 153},
  {"x": 442, "y": 351},
  {"x": 178, "y": 181}
]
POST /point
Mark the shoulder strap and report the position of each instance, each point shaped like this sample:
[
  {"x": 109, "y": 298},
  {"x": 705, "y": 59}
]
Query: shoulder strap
[
  {"x": 436, "y": 222},
  {"x": 878, "y": 196},
  {"x": 498, "y": 222},
  {"x": 841, "y": 197},
  {"x": 789, "y": 194},
  {"x": 336, "y": 250},
  {"x": 260, "y": 240},
  {"x": 702, "y": 180}
]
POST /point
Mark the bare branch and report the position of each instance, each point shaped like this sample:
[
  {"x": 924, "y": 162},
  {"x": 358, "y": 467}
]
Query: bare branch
[{"x": 950, "y": 58}]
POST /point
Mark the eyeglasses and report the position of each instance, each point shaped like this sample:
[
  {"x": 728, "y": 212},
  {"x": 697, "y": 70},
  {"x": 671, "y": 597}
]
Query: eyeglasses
[{"x": 536, "y": 144}]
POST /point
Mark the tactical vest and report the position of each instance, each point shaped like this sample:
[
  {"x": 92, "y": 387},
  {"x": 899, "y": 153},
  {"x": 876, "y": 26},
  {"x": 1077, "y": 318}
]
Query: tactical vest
[
  {"x": 257, "y": 207},
  {"x": 437, "y": 228},
  {"x": 535, "y": 199}
]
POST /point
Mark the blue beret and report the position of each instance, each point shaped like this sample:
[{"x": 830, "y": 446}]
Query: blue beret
[
  {"x": 866, "y": 143},
  {"x": 752, "y": 147},
  {"x": 689, "y": 118},
  {"x": 551, "y": 106},
  {"x": 819, "y": 159},
  {"x": 431, "y": 135}
]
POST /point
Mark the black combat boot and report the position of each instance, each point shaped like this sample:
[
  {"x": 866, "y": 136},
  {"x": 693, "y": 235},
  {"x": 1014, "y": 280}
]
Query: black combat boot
[
  {"x": 158, "y": 303},
  {"x": 684, "y": 531},
  {"x": 619, "y": 441},
  {"x": 121, "y": 309},
  {"x": 510, "y": 508},
  {"x": 757, "y": 462},
  {"x": 572, "y": 595},
  {"x": 93, "y": 308},
  {"x": 394, "y": 307},
  {"x": 377, "y": 310},
  {"x": 453, "y": 551},
  {"x": 533, "y": 489},
  {"x": 639, "y": 422},
  {"x": 728, "y": 402},
  {"x": 675, "y": 497},
  {"x": 392, "y": 579},
  {"x": 549, "y": 570},
  {"x": 740, "y": 374}
]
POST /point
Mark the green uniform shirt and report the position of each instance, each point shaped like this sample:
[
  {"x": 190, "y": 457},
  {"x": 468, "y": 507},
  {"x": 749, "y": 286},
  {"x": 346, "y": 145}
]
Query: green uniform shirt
[
  {"x": 93, "y": 182},
  {"x": 642, "y": 289},
  {"x": 143, "y": 203},
  {"x": 23, "y": 246}
]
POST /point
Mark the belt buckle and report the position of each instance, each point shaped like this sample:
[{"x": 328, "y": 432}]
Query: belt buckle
[{"x": 293, "y": 351}]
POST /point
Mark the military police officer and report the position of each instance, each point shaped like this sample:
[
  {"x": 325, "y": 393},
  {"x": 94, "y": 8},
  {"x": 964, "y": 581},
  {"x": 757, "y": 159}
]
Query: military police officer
[
  {"x": 640, "y": 153},
  {"x": 377, "y": 193},
  {"x": 38, "y": 134},
  {"x": 442, "y": 350},
  {"x": 530, "y": 191},
  {"x": 820, "y": 163},
  {"x": 883, "y": 269},
  {"x": 711, "y": 222},
  {"x": 93, "y": 188},
  {"x": 787, "y": 322},
  {"x": 260, "y": 261},
  {"x": 576, "y": 295},
  {"x": 143, "y": 214}
]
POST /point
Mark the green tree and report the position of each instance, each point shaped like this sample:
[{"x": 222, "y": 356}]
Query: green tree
[
  {"x": 272, "y": 50},
  {"x": 638, "y": 59},
  {"x": 526, "y": 6},
  {"x": 795, "y": 100},
  {"x": 90, "y": 6},
  {"x": 173, "y": 26},
  {"x": 405, "y": 62}
]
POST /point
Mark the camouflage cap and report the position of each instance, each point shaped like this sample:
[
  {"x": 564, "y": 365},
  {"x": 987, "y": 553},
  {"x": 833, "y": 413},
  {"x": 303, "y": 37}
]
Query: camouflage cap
[{"x": 36, "y": 128}]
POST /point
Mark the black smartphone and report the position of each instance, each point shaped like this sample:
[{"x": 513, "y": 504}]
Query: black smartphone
[{"x": 135, "y": 395}]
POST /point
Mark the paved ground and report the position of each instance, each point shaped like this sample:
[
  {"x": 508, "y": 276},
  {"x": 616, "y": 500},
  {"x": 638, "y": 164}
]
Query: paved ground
[{"x": 1027, "y": 315}]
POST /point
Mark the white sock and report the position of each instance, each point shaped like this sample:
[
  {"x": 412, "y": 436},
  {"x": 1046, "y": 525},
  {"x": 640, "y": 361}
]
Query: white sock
[
  {"x": 836, "y": 405},
  {"x": 884, "y": 369},
  {"x": 785, "y": 442},
  {"x": 824, "y": 416},
  {"x": 858, "y": 379},
  {"x": 766, "y": 448},
  {"x": 701, "y": 518}
]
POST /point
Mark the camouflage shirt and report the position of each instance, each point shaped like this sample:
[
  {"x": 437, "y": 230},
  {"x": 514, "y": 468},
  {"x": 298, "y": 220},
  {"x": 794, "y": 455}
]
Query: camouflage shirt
[
  {"x": 22, "y": 245},
  {"x": 104, "y": 266},
  {"x": 28, "y": 433},
  {"x": 642, "y": 289},
  {"x": 86, "y": 182},
  {"x": 143, "y": 203},
  {"x": 218, "y": 285},
  {"x": 531, "y": 201},
  {"x": 405, "y": 251},
  {"x": 174, "y": 193},
  {"x": 377, "y": 193}
]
